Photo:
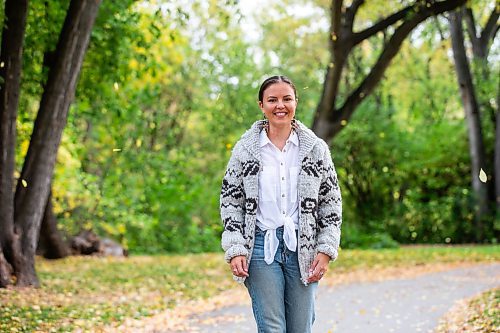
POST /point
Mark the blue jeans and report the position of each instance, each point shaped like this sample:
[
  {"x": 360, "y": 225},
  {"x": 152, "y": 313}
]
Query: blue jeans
[{"x": 281, "y": 303}]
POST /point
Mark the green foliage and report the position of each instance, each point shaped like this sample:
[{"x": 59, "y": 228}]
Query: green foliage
[{"x": 167, "y": 89}]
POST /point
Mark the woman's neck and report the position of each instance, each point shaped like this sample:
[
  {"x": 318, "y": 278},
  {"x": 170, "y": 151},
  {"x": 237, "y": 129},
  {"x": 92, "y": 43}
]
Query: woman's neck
[{"x": 279, "y": 135}]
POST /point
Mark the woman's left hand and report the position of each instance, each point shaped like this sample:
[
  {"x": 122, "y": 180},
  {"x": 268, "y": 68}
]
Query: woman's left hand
[{"x": 318, "y": 267}]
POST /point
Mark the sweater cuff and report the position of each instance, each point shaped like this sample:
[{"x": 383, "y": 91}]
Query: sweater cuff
[
  {"x": 329, "y": 251},
  {"x": 234, "y": 251}
]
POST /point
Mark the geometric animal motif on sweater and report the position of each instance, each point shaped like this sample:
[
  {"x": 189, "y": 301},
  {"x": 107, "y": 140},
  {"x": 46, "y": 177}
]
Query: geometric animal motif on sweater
[{"x": 320, "y": 201}]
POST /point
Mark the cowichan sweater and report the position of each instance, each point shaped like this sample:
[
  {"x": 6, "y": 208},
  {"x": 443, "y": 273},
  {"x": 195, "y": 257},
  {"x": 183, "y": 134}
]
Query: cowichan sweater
[{"x": 320, "y": 202}]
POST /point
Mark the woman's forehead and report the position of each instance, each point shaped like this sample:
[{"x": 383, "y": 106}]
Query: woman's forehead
[{"x": 279, "y": 88}]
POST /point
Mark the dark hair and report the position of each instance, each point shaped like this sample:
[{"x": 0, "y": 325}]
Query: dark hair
[{"x": 272, "y": 80}]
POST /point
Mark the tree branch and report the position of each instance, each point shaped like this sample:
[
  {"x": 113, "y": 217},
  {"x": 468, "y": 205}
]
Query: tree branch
[
  {"x": 440, "y": 30},
  {"x": 358, "y": 37},
  {"x": 490, "y": 29},
  {"x": 470, "y": 23},
  {"x": 389, "y": 52},
  {"x": 351, "y": 12},
  {"x": 336, "y": 15}
]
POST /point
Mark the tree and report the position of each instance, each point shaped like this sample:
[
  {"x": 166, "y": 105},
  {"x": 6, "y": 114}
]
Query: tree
[
  {"x": 51, "y": 242},
  {"x": 480, "y": 49},
  {"x": 33, "y": 187},
  {"x": 330, "y": 117},
  {"x": 10, "y": 73}
]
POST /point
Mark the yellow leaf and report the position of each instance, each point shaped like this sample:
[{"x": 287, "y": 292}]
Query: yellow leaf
[
  {"x": 343, "y": 122},
  {"x": 25, "y": 183},
  {"x": 115, "y": 85},
  {"x": 117, "y": 149},
  {"x": 482, "y": 176}
]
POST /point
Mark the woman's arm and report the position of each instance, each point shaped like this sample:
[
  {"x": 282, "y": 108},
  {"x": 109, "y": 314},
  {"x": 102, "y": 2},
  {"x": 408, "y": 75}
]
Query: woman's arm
[
  {"x": 329, "y": 209},
  {"x": 232, "y": 210}
]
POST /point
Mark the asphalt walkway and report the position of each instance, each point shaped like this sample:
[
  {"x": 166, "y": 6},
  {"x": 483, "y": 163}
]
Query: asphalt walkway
[{"x": 410, "y": 305}]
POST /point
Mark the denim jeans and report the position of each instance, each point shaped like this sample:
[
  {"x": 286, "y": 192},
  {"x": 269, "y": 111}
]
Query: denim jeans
[{"x": 281, "y": 303}]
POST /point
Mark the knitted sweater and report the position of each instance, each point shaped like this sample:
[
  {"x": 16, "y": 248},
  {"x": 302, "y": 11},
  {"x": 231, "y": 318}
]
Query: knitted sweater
[{"x": 320, "y": 202}]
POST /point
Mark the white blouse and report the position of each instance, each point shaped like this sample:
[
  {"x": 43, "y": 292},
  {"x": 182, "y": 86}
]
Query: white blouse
[{"x": 278, "y": 197}]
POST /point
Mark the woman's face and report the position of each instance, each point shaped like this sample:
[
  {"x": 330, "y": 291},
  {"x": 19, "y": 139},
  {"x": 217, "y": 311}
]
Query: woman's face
[{"x": 279, "y": 104}]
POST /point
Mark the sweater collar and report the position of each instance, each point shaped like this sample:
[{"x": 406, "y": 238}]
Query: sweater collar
[
  {"x": 264, "y": 139},
  {"x": 251, "y": 139}
]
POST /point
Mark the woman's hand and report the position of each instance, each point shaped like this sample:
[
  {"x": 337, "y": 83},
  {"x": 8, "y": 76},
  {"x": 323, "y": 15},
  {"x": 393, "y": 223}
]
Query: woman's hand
[
  {"x": 318, "y": 267},
  {"x": 239, "y": 266}
]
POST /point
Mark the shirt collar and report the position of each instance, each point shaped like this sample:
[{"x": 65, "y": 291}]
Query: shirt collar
[
  {"x": 294, "y": 138},
  {"x": 264, "y": 139}
]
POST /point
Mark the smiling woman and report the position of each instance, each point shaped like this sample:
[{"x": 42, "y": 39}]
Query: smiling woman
[{"x": 282, "y": 210}]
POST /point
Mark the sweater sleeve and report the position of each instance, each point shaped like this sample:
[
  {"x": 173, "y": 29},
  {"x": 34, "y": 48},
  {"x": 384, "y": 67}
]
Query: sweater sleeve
[
  {"x": 329, "y": 209},
  {"x": 232, "y": 210}
]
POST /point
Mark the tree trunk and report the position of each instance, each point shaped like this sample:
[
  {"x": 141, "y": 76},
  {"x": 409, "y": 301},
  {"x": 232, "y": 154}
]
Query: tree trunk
[
  {"x": 52, "y": 244},
  {"x": 39, "y": 163},
  {"x": 10, "y": 74},
  {"x": 471, "y": 107},
  {"x": 5, "y": 271},
  {"x": 497, "y": 160}
]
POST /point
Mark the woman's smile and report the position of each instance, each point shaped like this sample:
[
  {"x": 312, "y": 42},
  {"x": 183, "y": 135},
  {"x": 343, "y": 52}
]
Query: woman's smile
[{"x": 280, "y": 114}]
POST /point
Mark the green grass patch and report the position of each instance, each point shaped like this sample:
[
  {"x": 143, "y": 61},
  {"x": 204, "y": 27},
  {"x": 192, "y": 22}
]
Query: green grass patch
[{"x": 88, "y": 292}]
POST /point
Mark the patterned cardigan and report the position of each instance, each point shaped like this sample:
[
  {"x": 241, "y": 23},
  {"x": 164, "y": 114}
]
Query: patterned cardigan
[{"x": 320, "y": 202}]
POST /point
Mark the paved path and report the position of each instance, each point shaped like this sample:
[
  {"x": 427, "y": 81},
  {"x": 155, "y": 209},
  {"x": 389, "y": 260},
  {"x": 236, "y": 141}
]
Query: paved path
[{"x": 401, "y": 306}]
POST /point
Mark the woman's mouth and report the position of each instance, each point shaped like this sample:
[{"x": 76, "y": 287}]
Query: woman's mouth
[{"x": 280, "y": 114}]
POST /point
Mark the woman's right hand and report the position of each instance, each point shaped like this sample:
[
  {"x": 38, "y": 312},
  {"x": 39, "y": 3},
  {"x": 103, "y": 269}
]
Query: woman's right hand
[{"x": 239, "y": 266}]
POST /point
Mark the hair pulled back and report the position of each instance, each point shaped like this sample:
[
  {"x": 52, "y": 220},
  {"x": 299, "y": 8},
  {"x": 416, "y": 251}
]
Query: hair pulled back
[{"x": 275, "y": 79}]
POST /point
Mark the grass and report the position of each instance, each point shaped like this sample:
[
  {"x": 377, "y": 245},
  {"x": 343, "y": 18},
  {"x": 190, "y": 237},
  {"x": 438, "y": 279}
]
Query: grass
[{"x": 88, "y": 292}]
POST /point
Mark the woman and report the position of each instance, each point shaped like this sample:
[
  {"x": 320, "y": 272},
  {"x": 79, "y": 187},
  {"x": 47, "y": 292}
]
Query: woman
[{"x": 282, "y": 210}]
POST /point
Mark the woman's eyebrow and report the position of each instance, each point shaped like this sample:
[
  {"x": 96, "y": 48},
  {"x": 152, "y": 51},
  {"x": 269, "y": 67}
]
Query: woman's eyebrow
[{"x": 277, "y": 97}]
